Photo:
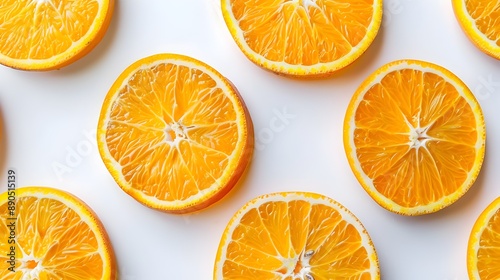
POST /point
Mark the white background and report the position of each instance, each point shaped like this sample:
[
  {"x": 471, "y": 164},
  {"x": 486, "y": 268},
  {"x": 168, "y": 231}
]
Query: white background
[{"x": 49, "y": 121}]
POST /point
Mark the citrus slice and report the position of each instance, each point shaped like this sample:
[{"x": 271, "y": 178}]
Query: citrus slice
[
  {"x": 295, "y": 235},
  {"x": 303, "y": 37},
  {"x": 50, "y": 234},
  {"x": 414, "y": 135},
  {"x": 483, "y": 252},
  {"x": 480, "y": 20},
  {"x": 174, "y": 133},
  {"x": 47, "y": 34}
]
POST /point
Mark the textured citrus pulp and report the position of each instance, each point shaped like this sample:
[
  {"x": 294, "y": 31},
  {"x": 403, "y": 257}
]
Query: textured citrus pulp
[
  {"x": 303, "y": 37},
  {"x": 57, "y": 236},
  {"x": 483, "y": 252},
  {"x": 480, "y": 20},
  {"x": 414, "y": 136},
  {"x": 174, "y": 133},
  {"x": 49, "y": 34},
  {"x": 295, "y": 235}
]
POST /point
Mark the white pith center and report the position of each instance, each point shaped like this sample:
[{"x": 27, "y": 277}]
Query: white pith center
[
  {"x": 304, "y": 3},
  {"x": 175, "y": 132},
  {"x": 298, "y": 267},
  {"x": 418, "y": 137},
  {"x": 31, "y": 267}
]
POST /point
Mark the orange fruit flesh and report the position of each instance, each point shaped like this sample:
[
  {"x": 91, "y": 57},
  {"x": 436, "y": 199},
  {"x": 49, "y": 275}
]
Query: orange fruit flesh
[
  {"x": 489, "y": 250},
  {"x": 288, "y": 239},
  {"x": 53, "y": 241},
  {"x": 303, "y": 37},
  {"x": 47, "y": 17},
  {"x": 174, "y": 136},
  {"x": 318, "y": 35},
  {"x": 45, "y": 35},
  {"x": 414, "y": 136},
  {"x": 483, "y": 260},
  {"x": 130, "y": 127},
  {"x": 480, "y": 20},
  {"x": 486, "y": 16},
  {"x": 410, "y": 146}
]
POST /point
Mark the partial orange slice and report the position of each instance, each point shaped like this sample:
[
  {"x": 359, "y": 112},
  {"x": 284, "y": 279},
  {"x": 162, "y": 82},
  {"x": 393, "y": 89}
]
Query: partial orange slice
[
  {"x": 174, "y": 133},
  {"x": 303, "y": 37},
  {"x": 295, "y": 235},
  {"x": 483, "y": 251},
  {"x": 414, "y": 136},
  {"x": 47, "y": 34},
  {"x": 480, "y": 20},
  {"x": 50, "y": 234}
]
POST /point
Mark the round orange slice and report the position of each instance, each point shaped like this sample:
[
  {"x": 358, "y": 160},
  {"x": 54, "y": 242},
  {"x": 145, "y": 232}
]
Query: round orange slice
[
  {"x": 47, "y": 35},
  {"x": 174, "y": 133},
  {"x": 483, "y": 252},
  {"x": 303, "y": 37},
  {"x": 295, "y": 235},
  {"x": 480, "y": 21},
  {"x": 414, "y": 136},
  {"x": 51, "y": 234}
]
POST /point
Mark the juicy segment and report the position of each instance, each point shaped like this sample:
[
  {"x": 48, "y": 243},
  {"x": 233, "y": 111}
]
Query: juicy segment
[
  {"x": 53, "y": 242},
  {"x": 303, "y": 32},
  {"x": 171, "y": 130},
  {"x": 486, "y": 17},
  {"x": 285, "y": 240},
  {"x": 488, "y": 253},
  {"x": 483, "y": 250},
  {"x": 424, "y": 148},
  {"x": 59, "y": 25}
]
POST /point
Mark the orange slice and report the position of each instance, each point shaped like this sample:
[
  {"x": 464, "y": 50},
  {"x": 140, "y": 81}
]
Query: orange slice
[
  {"x": 414, "y": 136},
  {"x": 480, "y": 20},
  {"x": 47, "y": 34},
  {"x": 52, "y": 234},
  {"x": 295, "y": 235},
  {"x": 483, "y": 252},
  {"x": 303, "y": 37},
  {"x": 174, "y": 133}
]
